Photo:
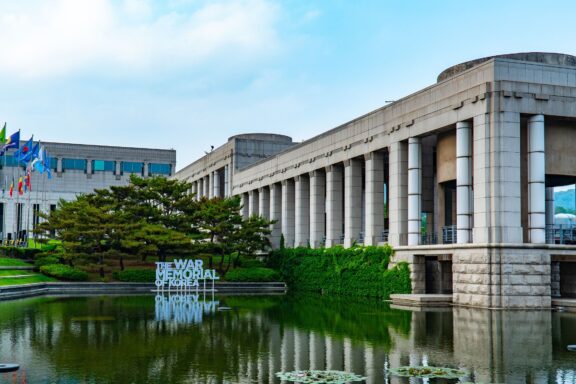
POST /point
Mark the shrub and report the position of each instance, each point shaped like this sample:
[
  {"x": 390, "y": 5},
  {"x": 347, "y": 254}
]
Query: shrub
[
  {"x": 64, "y": 272},
  {"x": 46, "y": 260},
  {"x": 358, "y": 271},
  {"x": 255, "y": 274},
  {"x": 136, "y": 275}
]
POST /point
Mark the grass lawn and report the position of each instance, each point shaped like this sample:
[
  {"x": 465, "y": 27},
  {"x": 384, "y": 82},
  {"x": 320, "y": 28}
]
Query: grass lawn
[
  {"x": 26, "y": 280},
  {"x": 9, "y": 262},
  {"x": 15, "y": 272}
]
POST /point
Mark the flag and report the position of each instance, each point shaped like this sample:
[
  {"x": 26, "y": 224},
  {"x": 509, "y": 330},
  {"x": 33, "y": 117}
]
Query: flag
[
  {"x": 23, "y": 150},
  {"x": 11, "y": 187},
  {"x": 3, "y": 135},
  {"x": 47, "y": 164},
  {"x": 28, "y": 182},
  {"x": 20, "y": 186},
  {"x": 31, "y": 154},
  {"x": 13, "y": 141},
  {"x": 38, "y": 162}
]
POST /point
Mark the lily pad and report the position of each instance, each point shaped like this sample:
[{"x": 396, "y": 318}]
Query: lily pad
[
  {"x": 428, "y": 372},
  {"x": 320, "y": 377}
]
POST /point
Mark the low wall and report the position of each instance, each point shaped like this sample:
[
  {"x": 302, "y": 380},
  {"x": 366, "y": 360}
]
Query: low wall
[{"x": 61, "y": 288}]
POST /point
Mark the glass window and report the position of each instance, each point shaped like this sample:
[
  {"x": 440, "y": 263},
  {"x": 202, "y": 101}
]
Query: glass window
[
  {"x": 131, "y": 167},
  {"x": 159, "y": 169},
  {"x": 103, "y": 165},
  {"x": 9, "y": 160},
  {"x": 53, "y": 163},
  {"x": 79, "y": 164}
]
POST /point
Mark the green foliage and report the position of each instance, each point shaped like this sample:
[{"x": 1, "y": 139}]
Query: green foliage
[
  {"x": 46, "y": 260},
  {"x": 19, "y": 252},
  {"x": 32, "y": 279},
  {"x": 152, "y": 217},
  {"x": 256, "y": 274},
  {"x": 564, "y": 201},
  {"x": 359, "y": 271},
  {"x": 11, "y": 262},
  {"x": 64, "y": 272},
  {"x": 136, "y": 275}
]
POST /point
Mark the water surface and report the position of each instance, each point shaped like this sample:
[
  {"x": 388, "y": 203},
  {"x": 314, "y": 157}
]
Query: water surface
[{"x": 247, "y": 339}]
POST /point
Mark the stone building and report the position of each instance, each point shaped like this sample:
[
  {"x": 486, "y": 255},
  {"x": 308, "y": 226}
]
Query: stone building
[
  {"x": 76, "y": 169},
  {"x": 457, "y": 177}
]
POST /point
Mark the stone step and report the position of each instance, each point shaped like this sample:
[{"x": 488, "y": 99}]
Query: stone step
[
  {"x": 422, "y": 300},
  {"x": 17, "y": 276},
  {"x": 19, "y": 268}
]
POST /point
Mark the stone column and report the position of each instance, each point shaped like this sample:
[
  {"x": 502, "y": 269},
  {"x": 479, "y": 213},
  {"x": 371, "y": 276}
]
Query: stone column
[
  {"x": 207, "y": 187},
  {"x": 398, "y": 209},
  {"x": 89, "y": 166},
  {"x": 59, "y": 165},
  {"x": 374, "y": 198},
  {"x": 226, "y": 181},
  {"x": 334, "y": 196},
  {"x": 276, "y": 214},
  {"x": 117, "y": 168},
  {"x": 414, "y": 190},
  {"x": 245, "y": 210},
  {"x": 216, "y": 183},
  {"x": 288, "y": 212},
  {"x": 463, "y": 182},
  {"x": 317, "y": 208},
  {"x": 352, "y": 201},
  {"x": 264, "y": 202},
  {"x": 536, "y": 180},
  {"x": 200, "y": 189},
  {"x": 317, "y": 351},
  {"x": 497, "y": 202},
  {"x": 253, "y": 200},
  {"x": 302, "y": 208},
  {"x": 334, "y": 354}
]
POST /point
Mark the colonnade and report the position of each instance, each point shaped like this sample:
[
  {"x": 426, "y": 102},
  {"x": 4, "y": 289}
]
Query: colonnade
[
  {"x": 215, "y": 184},
  {"x": 345, "y": 202}
]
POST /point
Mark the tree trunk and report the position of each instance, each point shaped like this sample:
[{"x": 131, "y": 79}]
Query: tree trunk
[{"x": 121, "y": 263}]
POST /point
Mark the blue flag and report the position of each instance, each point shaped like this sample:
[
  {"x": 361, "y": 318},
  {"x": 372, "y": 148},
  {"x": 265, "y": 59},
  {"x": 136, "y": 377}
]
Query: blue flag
[
  {"x": 23, "y": 150},
  {"x": 47, "y": 164},
  {"x": 12, "y": 142},
  {"x": 31, "y": 155},
  {"x": 38, "y": 162}
]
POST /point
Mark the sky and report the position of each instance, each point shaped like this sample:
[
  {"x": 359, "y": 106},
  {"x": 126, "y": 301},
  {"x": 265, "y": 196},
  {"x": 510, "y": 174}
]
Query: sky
[{"x": 188, "y": 74}]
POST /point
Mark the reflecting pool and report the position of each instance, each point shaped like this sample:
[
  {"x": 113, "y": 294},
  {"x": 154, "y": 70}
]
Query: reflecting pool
[{"x": 247, "y": 339}]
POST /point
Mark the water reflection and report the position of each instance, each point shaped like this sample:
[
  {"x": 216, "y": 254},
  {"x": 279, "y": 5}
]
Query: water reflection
[
  {"x": 185, "y": 339},
  {"x": 184, "y": 308}
]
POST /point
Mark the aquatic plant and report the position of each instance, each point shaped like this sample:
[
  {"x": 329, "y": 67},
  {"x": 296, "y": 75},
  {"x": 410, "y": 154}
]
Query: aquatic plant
[
  {"x": 319, "y": 377},
  {"x": 428, "y": 372}
]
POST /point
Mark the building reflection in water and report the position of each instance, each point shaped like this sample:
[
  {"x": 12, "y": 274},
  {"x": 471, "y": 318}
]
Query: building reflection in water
[{"x": 186, "y": 339}]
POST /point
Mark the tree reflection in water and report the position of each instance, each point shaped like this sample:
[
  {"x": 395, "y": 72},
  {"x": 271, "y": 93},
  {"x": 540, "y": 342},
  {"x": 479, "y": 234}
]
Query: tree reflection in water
[{"x": 145, "y": 339}]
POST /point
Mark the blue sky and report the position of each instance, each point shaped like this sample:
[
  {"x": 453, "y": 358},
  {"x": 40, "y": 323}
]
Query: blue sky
[{"x": 187, "y": 74}]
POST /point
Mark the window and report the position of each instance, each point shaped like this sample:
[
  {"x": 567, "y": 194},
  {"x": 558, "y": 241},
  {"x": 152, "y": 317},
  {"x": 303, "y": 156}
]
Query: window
[
  {"x": 9, "y": 160},
  {"x": 131, "y": 167},
  {"x": 53, "y": 163},
  {"x": 103, "y": 165},
  {"x": 77, "y": 164},
  {"x": 159, "y": 169}
]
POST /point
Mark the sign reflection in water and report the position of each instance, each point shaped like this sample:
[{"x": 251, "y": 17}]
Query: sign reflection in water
[{"x": 184, "y": 308}]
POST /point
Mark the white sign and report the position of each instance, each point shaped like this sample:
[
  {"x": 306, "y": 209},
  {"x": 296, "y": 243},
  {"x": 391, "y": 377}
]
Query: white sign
[
  {"x": 183, "y": 274},
  {"x": 183, "y": 309}
]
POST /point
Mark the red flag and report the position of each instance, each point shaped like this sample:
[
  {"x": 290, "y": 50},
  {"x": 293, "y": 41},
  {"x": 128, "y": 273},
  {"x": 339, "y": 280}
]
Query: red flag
[
  {"x": 29, "y": 181},
  {"x": 20, "y": 185},
  {"x": 11, "y": 187}
]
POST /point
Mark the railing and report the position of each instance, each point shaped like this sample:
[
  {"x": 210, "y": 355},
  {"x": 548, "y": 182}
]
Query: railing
[
  {"x": 561, "y": 234},
  {"x": 384, "y": 236},
  {"x": 429, "y": 238},
  {"x": 449, "y": 234}
]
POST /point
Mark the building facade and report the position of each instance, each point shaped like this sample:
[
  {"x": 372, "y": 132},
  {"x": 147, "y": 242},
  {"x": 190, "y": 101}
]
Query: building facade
[
  {"x": 457, "y": 177},
  {"x": 76, "y": 169}
]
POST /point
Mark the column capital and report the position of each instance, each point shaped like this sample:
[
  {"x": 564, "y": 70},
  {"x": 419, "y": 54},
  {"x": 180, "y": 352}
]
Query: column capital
[{"x": 316, "y": 173}]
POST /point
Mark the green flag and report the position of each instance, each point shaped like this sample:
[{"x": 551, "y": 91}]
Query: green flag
[{"x": 3, "y": 135}]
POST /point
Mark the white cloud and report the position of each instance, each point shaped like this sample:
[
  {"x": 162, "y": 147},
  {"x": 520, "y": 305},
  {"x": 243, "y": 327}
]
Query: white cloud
[{"x": 61, "y": 36}]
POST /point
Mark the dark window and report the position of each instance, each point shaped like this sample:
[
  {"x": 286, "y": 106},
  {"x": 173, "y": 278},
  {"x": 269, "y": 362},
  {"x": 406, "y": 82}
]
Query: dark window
[
  {"x": 77, "y": 164},
  {"x": 132, "y": 167},
  {"x": 53, "y": 163},
  {"x": 9, "y": 161},
  {"x": 103, "y": 165},
  {"x": 35, "y": 215},
  {"x": 160, "y": 169}
]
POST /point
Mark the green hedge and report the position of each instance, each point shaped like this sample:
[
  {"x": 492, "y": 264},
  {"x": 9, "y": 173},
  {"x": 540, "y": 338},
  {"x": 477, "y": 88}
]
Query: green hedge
[
  {"x": 46, "y": 260},
  {"x": 255, "y": 274},
  {"x": 19, "y": 252},
  {"x": 357, "y": 271},
  {"x": 135, "y": 275},
  {"x": 64, "y": 272}
]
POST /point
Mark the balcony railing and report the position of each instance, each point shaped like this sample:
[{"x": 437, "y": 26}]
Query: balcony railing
[{"x": 561, "y": 234}]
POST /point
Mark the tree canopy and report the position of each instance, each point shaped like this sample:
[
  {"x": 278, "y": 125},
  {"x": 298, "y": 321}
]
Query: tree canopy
[{"x": 153, "y": 217}]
